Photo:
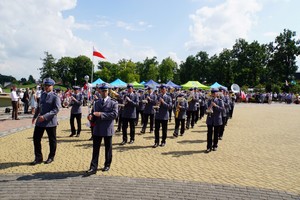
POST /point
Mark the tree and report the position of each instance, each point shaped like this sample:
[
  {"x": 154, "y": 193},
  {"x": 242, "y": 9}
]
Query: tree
[
  {"x": 23, "y": 80},
  {"x": 166, "y": 69},
  {"x": 82, "y": 66},
  {"x": 282, "y": 64},
  {"x": 48, "y": 68},
  {"x": 148, "y": 69},
  {"x": 128, "y": 71},
  {"x": 63, "y": 67},
  {"x": 31, "y": 79},
  {"x": 250, "y": 61}
]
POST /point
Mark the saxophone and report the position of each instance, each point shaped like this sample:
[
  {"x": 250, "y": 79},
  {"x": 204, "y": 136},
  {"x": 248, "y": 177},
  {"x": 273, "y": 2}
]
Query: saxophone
[{"x": 179, "y": 100}]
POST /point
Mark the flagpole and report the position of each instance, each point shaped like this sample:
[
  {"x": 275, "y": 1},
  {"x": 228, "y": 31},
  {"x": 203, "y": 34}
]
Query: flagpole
[{"x": 92, "y": 67}]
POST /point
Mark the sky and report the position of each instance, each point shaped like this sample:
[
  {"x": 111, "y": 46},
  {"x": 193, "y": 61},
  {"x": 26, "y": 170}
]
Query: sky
[{"x": 133, "y": 29}]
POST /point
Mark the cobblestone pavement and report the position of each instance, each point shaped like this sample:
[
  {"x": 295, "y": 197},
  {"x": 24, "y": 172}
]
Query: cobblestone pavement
[{"x": 257, "y": 159}]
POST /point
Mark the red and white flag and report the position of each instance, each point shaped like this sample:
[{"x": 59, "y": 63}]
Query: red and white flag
[{"x": 97, "y": 53}]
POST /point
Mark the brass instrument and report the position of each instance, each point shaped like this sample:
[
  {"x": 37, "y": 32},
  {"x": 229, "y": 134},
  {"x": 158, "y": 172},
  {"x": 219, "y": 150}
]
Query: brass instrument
[
  {"x": 179, "y": 100},
  {"x": 66, "y": 102},
  {"x": 113, "y": 94},
  {"x": 209, "y": 110},
  {"x": 158, "y": 104}
]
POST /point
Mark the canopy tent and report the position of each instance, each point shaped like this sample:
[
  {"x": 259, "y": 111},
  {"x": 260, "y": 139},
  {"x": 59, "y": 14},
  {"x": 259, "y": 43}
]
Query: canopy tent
[
  {"x": 173, "y": 85},
  {"x": 137, "y": 85},
  {"x": 96, "y": 82},
  {"x": 152, "y": 84},
  {"x": 143, "y": 82},
  {"x": 192, "y": 84},
  {"x": 217, "y": 85},
  {"x": 118, "y": 83}
]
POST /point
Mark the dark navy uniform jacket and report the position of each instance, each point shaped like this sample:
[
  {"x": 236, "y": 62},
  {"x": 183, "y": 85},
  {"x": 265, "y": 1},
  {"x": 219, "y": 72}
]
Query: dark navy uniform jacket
[
  {"x": 215, "y": 119},
  {"x": 104, "y": 125},
  {"x": 76, "y": 104},
  {"x": 48, "y": 107},
  {"x": 130, "y": 106},
  {"x": 151, "y": 102},
  {"x": 163, "y": 111}
]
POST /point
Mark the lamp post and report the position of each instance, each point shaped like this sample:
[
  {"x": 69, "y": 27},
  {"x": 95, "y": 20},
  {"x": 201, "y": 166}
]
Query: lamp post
[{"x": 75, "y": 79}]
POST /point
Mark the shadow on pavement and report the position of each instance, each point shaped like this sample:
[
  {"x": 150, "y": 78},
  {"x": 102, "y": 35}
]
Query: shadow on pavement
[
  {"x": 50, "y": 176},
  {"x": 199, "y": 131},
  {"x": 130, "y": 147},
  {"x": 191, "y": 141},
  {"x": 182, "y": 153},
  {"x": 12, "y": 164}
]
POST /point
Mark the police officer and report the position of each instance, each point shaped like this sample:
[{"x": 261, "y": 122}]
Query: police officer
[
  {"x": 46, "y": 119},
  {"x": 214, "y": 120},
  {"x": 164, "y": 102},
  {"x": 129, "y": 114},
  {"x": 105, "y": 112},
  {"x": 76, "y": 103},
  {"x": 180, "y": 114},
  {"x": 151, "y": 98},
  {"x": 225, "y": 114},
  {"x": 192, "y": 108}
]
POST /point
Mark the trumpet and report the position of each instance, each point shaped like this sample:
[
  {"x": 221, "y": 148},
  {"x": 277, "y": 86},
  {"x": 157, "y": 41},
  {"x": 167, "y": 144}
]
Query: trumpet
[{"x": 209, "y": 110}]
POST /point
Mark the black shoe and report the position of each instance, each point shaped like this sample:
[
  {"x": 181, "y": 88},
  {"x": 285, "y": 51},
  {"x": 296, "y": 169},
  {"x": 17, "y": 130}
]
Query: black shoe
[
  {"x": 118, "y": 130},
  {"x": 72, "y": 135},
  {"x": 151, "y": 131},
  {"x": 105, "y": 169},
  {"x": 123, "y": 143},
  {"x": 77, "y": 135},
  {"x": 187, "y": 128},
  {"x": 50, "y": 160},
  {"x": 35, "y": 162},
  {"x": 155, "y": 145},
  {"x": 175, "y": 134},
  {"x": 192, "y": 126},
  {"x": 131, "y": 142},
  {"x": 163, "y": 144},
  {"x": 142, "y": 131},
  {"x": 90, "y": 172},
  {"x": 214, "y": 148},
  {"x": 181, "y": 134},
  {"x": 220, "y": 138},
  {"x": 208, "y": 150}
]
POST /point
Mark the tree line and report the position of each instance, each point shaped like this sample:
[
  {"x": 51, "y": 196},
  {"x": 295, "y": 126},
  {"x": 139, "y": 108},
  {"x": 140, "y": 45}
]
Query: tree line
[{"x": 247, "y": 64}]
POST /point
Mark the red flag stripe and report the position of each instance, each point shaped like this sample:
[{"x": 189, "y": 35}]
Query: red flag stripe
[{"x": 98, "y": 54}]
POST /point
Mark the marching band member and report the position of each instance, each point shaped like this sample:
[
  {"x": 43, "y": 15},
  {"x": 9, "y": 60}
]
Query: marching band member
[
  {"x": 164, "y": 103},
  {"x": 225, "y": 113},
  {"x": 76, "y": 103},
  {"x": 105, "y": 112},
  {"x": 129, "y": 114},
  {"x": 140, "y": 108},
  {"x": 197, "y": 97},
  {"x": 120, "y": 109},
  {"x": 202, "y": 102},
  {"x": 150, "y": 99},
  {"x": 180, "y": 114},
  {"x": 214, "y": 120},
  {"x": 232, "y": 103},
  {"x": 192, "y": 108}
]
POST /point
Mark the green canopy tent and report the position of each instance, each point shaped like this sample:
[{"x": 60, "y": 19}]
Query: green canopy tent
[
  {"x": 137, "y": 85},
  {"x": 192, "y": 84}
]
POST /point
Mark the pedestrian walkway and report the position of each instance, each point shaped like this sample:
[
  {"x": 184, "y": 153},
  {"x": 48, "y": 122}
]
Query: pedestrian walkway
[{"x": 257, "y": 159}]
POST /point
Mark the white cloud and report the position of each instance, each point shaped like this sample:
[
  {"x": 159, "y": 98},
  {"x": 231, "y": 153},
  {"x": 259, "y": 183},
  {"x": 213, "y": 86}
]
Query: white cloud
[
  {"x": 139, "y": 26},
  {"x": 215, "y": 28},
  {"x": 271, "y": 34},
  {"x": 29, "y": 28},
  {"x": 174, "y": 56}
]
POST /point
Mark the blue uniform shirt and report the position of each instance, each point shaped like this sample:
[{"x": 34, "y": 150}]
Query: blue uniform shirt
[{"x": 48, "y": 107}]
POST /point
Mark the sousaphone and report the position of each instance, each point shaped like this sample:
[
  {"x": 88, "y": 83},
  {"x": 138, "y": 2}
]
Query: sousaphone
[{"x": 235, "y": 88}]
